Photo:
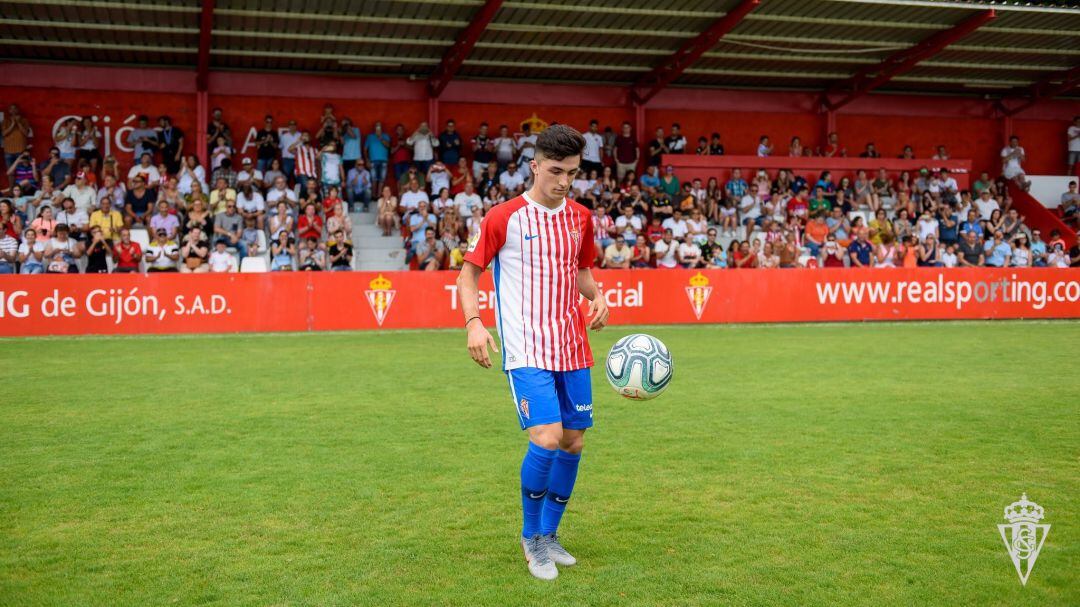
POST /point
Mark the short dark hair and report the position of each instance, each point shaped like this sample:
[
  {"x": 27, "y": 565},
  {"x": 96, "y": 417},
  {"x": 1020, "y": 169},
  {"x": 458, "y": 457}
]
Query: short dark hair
[{"x": 559, "y": 141}]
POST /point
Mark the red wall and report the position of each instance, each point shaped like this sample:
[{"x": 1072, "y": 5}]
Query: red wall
[{"x": 968, "y": 126}]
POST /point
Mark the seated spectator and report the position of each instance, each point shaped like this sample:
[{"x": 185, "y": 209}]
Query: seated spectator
[
  {"x": 666, "y": 250},
  {"x": 164, "y": 220},
  {"x": 689, "y": 253},
  {"x": 618, "y": 254},
  {"x": 61, "y": 251},
  {"x": 412, "y": 197},
  {"x": 998, "y": 252},
  {"x": 358, "y": 185},
  {"x": 340, "y": 251},
  {"x": 1021, "y": 252},
  {"x": 817, "y": 232},
  {"x": 310, "y": 224},
  {"x": 98, "y": 252},
  {"x": 512, "y": 182},
  {"x": 886, "y": 253},
  {"x": 388, "y": 219},
  {"x": 144, "y": 170},
  {"x": 1057, "y": 257},
  {"x": 677, "y": 225},
  {"x": 282, "y": 252},
  {"x": 832, "y": 253},
  {"x": 970, "y": 251},
  {"x": 1038, "y": 249},
  {"x": 860, "y": 252},
  {"x": 162, "y": 253},
  {"x": 126, "y": 253},
  {"x": 1012, "y": 159},
  {"x": 249, "y": 175},
  {"x": 195, "y": 253},
  {"x": 744, "y": 257},
  {"x": 430, "y": 252},
  {"x": 220, "y": 258},
  {"x": 312, "y": 258},
  {"x": 764, "y": 148}
]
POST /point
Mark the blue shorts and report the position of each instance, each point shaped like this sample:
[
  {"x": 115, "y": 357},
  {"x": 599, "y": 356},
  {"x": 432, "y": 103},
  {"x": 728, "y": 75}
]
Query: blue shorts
[{"x": 546, "y": 397}]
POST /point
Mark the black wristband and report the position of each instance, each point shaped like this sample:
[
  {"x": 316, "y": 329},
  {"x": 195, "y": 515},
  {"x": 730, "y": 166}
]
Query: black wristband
[{"x": 470, "y": 320}]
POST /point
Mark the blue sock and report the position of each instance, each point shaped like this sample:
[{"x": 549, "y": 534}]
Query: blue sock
[
  {"x": 535, "y": 469},
  {"x": 563, "y": 475}
]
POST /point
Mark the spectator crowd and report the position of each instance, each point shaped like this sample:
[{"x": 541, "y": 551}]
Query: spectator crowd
[{"x": 74, "y": 210}]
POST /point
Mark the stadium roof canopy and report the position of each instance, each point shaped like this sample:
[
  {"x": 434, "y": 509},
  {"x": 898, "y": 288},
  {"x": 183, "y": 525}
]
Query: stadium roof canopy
[{"x": 844, "y": 46}]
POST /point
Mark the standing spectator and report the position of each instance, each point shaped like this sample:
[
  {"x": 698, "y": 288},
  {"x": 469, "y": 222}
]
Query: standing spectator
[
  {"x": 676, "y": 142},
  {"x": 423, "y": 143},
  {"x": 657, "y": 148},
  {"x": 870, "y": 151},
  {"x": 267, "y": 142},
  {"x": 305, "y": 160},
  {"x": 351, "y": 141},
  {"x": 1012, "y": 159},
  {"x": 290, "y": 142},
  {"x": 22, "y": 172},
  {"x": 57, "y": 168},
  {"x": 591, "y": 154},
  {"x": 377, "y": 146},
  {"x": 330, "y": 168},
  {"x": 450, "y": 144},
  {"x": 220, "y": 259},
  {"x": 832, "y": 148},
  {"x": 627, "y": 152},
  {"x": 1073, "y": 136},
  {"x": 195, "y": 253},
  {"x": 764, "y": 148},
  {"x": 66, "y": 139},
  {"x": 217, "y": 128},
  {"x": 126, "y": 253},
  {"x": 162, "y": 253},
  {"x": 483, "y": 151},
  {"x": 1070, "y": 204},
  {"x": 400, "y": 152},
  {"x": 715, "y": 147},
  {"x": 526, "y": 145},
  {"x": 170, "y": 140},
  {"x": 16, "y": 134},
  {"x": 143, "y": 139}
]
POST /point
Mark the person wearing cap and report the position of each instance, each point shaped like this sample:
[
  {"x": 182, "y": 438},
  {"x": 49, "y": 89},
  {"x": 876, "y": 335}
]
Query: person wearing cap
[
  {"x": 220, "y": 259},
  {"x": 250, "y": 175},
  {"x": 81, "y": 192},
  {"x": 986, "y": 205},
  {"x": 162, "y": 253}
]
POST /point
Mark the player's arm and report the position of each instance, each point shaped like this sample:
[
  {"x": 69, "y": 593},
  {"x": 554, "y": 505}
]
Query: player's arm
[
  {"x": 468, "y": 289},
  {"x": 598, "y": 309}
]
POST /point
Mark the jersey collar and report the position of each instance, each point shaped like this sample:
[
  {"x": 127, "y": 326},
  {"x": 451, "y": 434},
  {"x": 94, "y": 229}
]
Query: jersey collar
[{"x": 528, "y": 199}]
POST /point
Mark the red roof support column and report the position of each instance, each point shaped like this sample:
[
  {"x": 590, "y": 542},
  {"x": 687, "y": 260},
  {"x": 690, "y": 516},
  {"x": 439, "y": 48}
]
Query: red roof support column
[
  {"x": 457, "y": 53},
  {"x": 202, "y": 82},
  {"x": 870, "y": 78},
  {"x": 1044, "y": 88},
  {"x": 673, "y": 67}
]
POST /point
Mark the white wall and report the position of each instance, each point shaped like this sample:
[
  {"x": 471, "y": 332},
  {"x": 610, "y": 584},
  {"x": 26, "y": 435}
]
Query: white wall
[{"x": 1048, "y": 189}]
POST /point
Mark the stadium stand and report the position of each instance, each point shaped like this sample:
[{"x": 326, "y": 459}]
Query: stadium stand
[{"x": 909, "y": 203}]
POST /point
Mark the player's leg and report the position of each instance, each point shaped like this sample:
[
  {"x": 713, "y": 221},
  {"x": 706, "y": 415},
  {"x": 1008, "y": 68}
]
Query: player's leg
[
  {"x": 575, "y": 403},
  {"x": 537, "y": 405}
]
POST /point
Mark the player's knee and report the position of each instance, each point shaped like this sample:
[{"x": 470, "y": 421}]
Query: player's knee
[
  {"x": 572, "y": 444},
  {"x": 548, "y": 438}
]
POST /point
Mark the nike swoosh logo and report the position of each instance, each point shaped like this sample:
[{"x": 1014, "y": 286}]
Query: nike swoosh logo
[
  {"x": 532, "y": 236},
  {"x": 537, "y": 496},
  {"x": 562, "y": 501}
]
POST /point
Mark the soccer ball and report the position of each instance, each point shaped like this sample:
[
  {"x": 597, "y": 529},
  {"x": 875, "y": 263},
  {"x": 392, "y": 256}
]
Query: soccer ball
[{"x": 639, "y": 367}]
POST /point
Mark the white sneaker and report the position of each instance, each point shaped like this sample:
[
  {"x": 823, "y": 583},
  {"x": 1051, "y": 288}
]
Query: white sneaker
[
  {"x": 557, "y": 552},
  {"x": 536, "y": 555}
]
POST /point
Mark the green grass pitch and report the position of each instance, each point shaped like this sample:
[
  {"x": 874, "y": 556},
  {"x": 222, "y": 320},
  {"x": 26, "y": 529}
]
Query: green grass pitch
[{"x": 860, "y": 464}]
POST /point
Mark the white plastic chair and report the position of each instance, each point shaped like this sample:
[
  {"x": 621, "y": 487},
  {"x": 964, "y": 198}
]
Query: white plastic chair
[{"x": 253, "y": 265}]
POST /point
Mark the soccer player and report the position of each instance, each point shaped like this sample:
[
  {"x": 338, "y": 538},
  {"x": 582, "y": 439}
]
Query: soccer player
[{"x": 542, "y": 247}]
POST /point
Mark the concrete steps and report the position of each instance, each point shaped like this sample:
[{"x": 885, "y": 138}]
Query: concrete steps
[{"x": 371, "y": 250}]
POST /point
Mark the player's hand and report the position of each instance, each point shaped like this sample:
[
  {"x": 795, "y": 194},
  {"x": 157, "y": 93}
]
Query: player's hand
[
  {"x": 598, "y": 313},
  {"x": 479, "y": 340}
]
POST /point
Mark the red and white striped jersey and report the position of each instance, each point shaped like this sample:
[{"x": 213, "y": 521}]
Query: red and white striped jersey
[
  {"x": 305, "y": 160},
  {"x": 537, "y": 253}
]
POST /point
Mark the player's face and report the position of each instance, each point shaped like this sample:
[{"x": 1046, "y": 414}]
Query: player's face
[{"x": 553, "y": 177}]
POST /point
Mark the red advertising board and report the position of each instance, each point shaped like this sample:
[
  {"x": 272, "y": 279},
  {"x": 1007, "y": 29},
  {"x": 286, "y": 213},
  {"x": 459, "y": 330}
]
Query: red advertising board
[{"x": 161, "y": 304}]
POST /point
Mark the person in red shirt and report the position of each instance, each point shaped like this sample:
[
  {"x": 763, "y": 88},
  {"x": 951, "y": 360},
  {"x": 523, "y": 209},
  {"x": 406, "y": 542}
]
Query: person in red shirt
[
  {"x": 126, "y": 253},
  {"x": 310, "y": 224},
  {"x": 333, "y": 197},
  {"x": 400, "y": 152},
  {"x": 654, "y": 231},
  {"x": 832, "y": 253},
  {"x": 744, "y": 257}
]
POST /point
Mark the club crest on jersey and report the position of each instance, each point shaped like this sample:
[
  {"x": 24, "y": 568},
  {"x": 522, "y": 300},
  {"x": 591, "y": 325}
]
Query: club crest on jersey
[
  {"x": 698, "y": 292},
  {"x": 524, "y": 407},
  {"x": 575, "y": 235},
  {"x": 380, "y": 296}
]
